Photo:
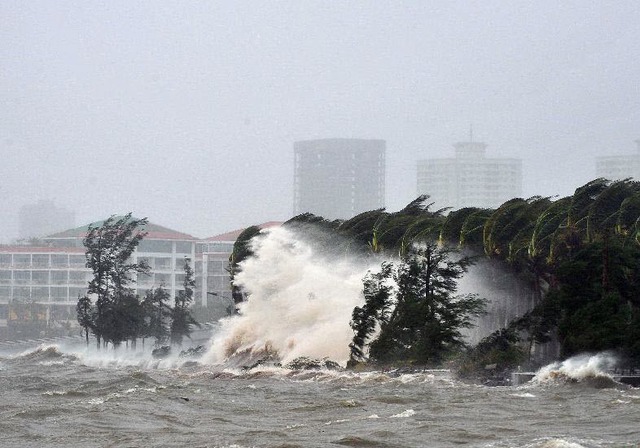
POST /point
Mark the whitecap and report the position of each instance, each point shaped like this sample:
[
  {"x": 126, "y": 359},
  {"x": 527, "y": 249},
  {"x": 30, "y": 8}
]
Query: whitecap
[
  {"x": 523, "y": 395},
  {"x": 296, "y": 425},
  {"x": 405, "y": 414},
  {"x": 560, "y": 443}
]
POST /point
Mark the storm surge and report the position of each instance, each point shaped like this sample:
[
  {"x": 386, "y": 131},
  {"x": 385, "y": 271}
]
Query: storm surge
[{"x": 300, "y": 304}]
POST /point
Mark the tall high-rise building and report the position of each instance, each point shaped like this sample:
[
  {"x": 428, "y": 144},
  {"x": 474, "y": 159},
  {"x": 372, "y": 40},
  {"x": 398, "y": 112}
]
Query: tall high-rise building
[
  {"x": 470, "y": 179},
  {"x": 619, "y": 167},
  {"x": 338, "y": 178}
]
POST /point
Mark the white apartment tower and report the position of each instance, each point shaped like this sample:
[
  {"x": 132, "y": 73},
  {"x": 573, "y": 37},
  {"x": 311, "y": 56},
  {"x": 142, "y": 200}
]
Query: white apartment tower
[
  {"x": 470, "y": 179},
  {"x": 338, "y": 178},
  {"x": 619, "y": 167}
]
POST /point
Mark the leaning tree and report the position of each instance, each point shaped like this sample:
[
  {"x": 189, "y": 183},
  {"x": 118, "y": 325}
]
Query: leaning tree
[
  {"x": 109, "y": 249},
  {"x": 420, "y": 319},
  {"x": 181, "y": 319}
]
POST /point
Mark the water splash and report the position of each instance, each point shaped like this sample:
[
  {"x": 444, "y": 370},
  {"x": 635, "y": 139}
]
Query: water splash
[
  {"x": 578, "y": 368},
  {"x": 300, "y": 303},
  {"x": 559, "y": 443}
]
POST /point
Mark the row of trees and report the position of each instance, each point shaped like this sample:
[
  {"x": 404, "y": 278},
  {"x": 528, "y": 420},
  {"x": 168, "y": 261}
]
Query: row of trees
[
  {"x": 578, "y": 257},
  {"x": 118, "y": 315}
]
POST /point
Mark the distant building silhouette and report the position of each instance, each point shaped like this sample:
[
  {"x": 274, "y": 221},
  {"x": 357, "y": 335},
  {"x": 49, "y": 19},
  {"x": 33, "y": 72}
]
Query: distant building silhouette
[
  {"x": 338, "y": 178},
  {"x": 619, "y": 167},
  {"x": 43, "y": 218},
  {"x": 470, "y": 179}
]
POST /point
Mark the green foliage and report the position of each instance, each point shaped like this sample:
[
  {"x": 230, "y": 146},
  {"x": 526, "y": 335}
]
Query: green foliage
[
  {"x": 157, "y": 315},
  {"x": 377, "y": 295},
  {"x": 579, "y": 255},
  {"x": 421, "y": 319},
  {"x": 181, "y": 318},
  {"x": 109, "y": 248},
  {"x": 118, "y": 314},
  {"x": 241, "y": 251},
  {"x": 85, "y": 315},
  {"x": 472, "y": 230},
  {"x": 451, "y": 230},
  {"x": 596, "y": 314},
  {"x": 501, "y": 350}
]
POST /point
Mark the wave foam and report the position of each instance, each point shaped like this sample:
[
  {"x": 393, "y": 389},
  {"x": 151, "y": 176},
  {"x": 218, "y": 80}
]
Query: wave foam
[
  {"x": 590, "y": 369},
  {"x": 299, "y": 304}
]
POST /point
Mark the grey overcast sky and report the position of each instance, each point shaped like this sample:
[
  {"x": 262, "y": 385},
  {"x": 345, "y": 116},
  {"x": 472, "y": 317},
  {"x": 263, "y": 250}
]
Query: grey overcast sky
[{"x": 186, "y": 111}]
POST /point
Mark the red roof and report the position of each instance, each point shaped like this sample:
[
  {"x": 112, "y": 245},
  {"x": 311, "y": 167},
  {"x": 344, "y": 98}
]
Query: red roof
[{"x": 154, "y": 231}]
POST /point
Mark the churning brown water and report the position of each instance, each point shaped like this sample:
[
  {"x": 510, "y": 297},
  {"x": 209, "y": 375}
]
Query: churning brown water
[{"x": 56, "y": 396}]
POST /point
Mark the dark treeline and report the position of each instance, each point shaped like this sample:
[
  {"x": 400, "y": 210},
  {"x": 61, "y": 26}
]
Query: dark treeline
[
  {"x": 117, "y": 315},
  {"x": 579, "y": 257}
]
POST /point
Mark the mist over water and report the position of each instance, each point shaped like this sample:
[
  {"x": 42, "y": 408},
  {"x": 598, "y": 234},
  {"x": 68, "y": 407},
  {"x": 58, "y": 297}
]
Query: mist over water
[
  {"x": 507, "y": 298},
  {"x": 300, "y": 303}
]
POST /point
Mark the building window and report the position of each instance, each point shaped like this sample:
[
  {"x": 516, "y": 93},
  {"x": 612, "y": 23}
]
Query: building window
[
  {"x": 59, "y": 277},
  {"x": 40, "y": 261},
  {"x": 183, "y": 247},
  {"x": 164, "y": 280},
  {"x": 59, "y": 261},
  {"x": 77, "y": 261},
  {"x": 155, "y": 246},
  {"x": 5, "y": 277},
  {"x": 59, "y": 293},
  {"x": 40, "y": 277},
  {"x": 22, "y": 293},
  {"x": 21, "y": 260},
  {"x": 40, "y": 293},
  {"x": 77, "y": 277},
  {"x": 162, "y": 264},
  {"x": 21, "y": 277}
]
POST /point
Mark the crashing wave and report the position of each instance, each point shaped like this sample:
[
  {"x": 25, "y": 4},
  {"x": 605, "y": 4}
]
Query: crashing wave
[
  {"x": 590, "y": 370},
  {"x": 44, "y": 353},
  {"x": 300, "y": 304}
]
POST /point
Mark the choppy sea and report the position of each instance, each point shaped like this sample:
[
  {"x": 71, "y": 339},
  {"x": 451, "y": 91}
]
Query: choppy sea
[{"x": 73, "y": 396}]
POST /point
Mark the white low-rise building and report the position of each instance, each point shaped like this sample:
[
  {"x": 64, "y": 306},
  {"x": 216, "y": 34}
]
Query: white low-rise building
[
  {"x": 40, "y": 284},
  {"x": 53, "y": 274}
]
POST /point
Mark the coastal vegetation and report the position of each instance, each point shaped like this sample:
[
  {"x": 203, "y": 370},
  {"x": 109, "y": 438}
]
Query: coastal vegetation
[
  {"x": 419, "y": 318},
  {"x": 575, "y": 260},
  {"x": 577, "y": 257}
]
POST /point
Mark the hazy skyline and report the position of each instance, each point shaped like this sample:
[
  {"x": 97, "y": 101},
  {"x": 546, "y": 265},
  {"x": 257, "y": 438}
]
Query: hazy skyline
[{"x": 186, "y": 112}]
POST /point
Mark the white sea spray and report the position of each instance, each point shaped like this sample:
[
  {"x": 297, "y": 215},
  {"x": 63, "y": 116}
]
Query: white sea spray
[
  {"x": 300, "y": 304},
  {"x": 578, "y": 368}
]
